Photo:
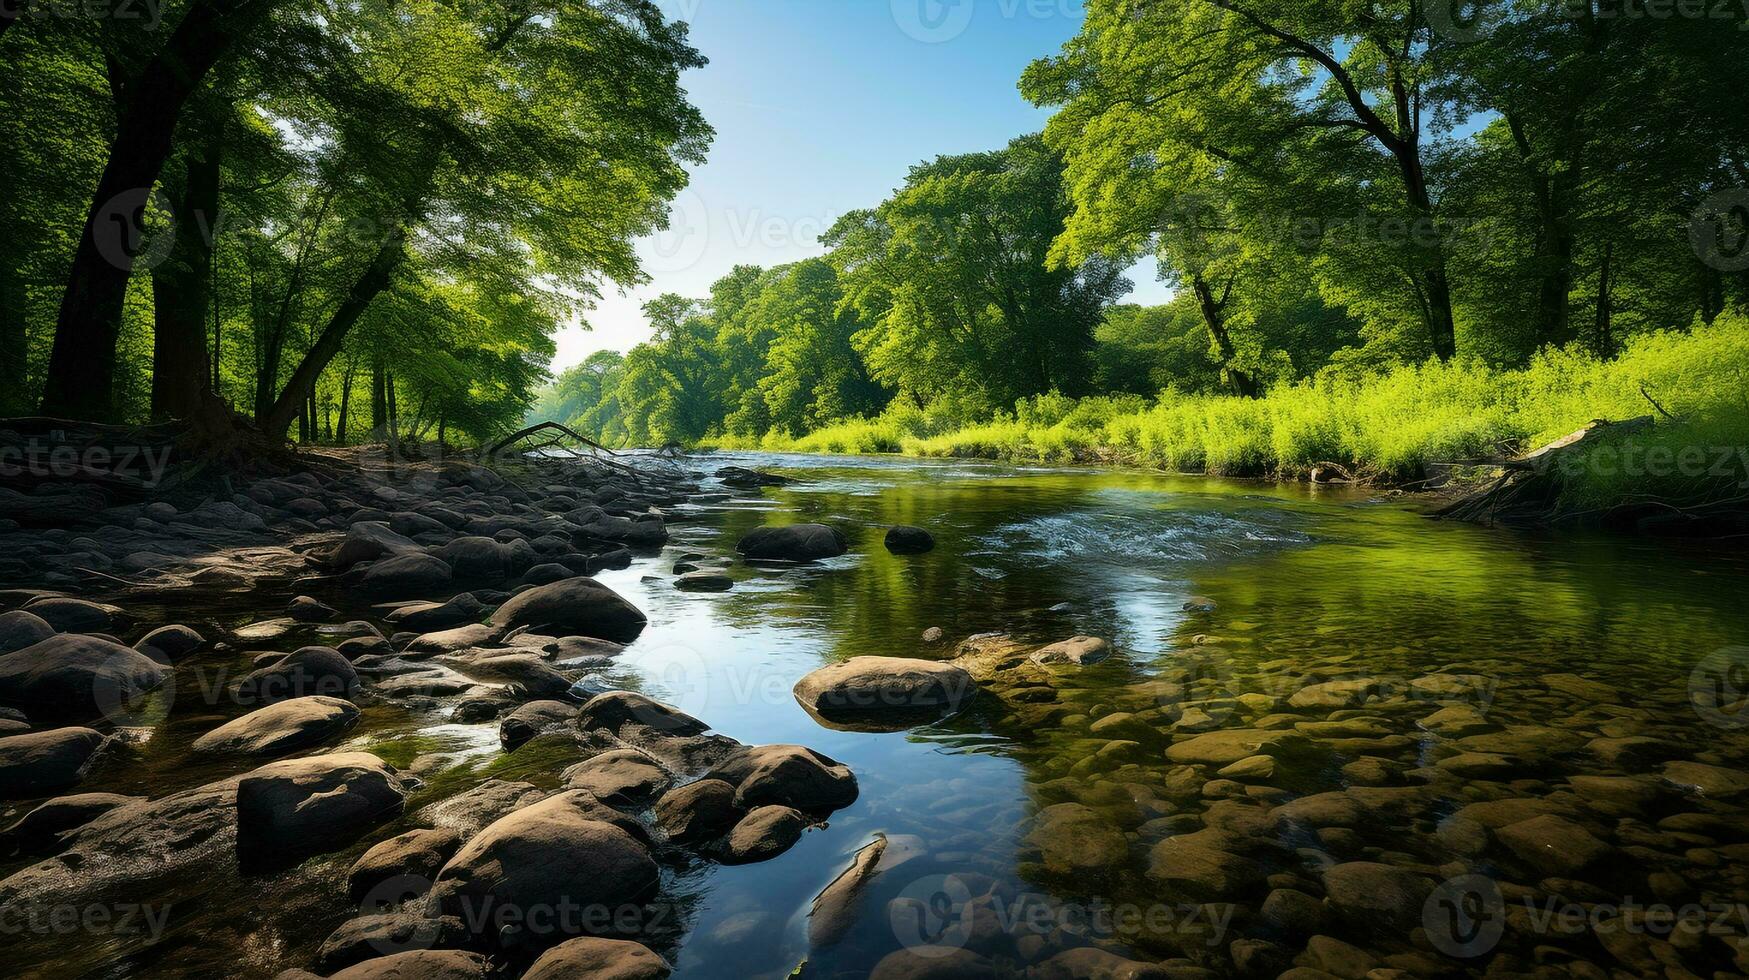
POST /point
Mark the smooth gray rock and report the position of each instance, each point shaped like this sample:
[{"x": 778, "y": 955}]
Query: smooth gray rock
[
  {"x": 36, "y": 763},
  {"x": 572, "y": 607},
  {"x": 794, "y": 542},
  {"x": 71, "y": 677},
  {"x": 293, "y": 724}
]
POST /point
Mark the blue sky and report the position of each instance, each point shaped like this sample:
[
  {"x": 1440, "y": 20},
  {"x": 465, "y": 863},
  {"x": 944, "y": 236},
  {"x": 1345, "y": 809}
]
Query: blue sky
[{"x": 820, "y": 106}]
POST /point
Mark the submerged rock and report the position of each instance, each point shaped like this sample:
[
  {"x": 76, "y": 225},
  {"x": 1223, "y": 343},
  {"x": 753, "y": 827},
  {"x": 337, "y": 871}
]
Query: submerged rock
[
  {"x": 1074, "y": 838},
  {"x": 168, "y": 644},
  {"x": 68, "y": 615},
  {"x": 905, "y": 539},
  {"x": 1079, "y": 650},
  {"x": 305, "y": 672},
  {"x": 835, "y": 908},
  {"x": 794, "y": 542}
]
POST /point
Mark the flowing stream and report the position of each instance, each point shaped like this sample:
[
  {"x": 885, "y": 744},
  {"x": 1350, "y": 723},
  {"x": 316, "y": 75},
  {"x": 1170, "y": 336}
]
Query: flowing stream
[{"x": 1306, "y": 584}]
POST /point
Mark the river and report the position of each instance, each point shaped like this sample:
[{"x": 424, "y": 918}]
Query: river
[{"x": 1307, "y": 585}]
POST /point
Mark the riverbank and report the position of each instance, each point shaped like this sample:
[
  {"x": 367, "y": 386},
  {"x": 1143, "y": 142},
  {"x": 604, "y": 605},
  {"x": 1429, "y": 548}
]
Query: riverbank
[{"x": 1412, "y": 427}]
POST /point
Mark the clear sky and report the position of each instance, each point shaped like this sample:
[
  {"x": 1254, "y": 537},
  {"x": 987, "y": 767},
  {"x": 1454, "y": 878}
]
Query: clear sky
[{"x": 820, "y": 107}]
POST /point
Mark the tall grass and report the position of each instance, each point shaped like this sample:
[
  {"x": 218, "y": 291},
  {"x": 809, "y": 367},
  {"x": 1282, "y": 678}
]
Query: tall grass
[{"x": 1392, "y": 424}]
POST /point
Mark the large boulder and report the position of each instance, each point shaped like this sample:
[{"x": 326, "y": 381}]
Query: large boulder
[
  {"x": 72, "y": 677},
  {"x": 306, "y": 672},
  {"x": 405, "y": 576},
  {"x": 790, "y": 775},
  {"x": 368, "y": 541},
  {"x": 613, "y": 710},
  {"x": 424, "y": 617},
  {"x": 420, "y": 964},
  {"x": 534, "y": 718},
  {"x": 481, "y": 559},
  {"x": 699, "y": 811},
  {"x": 36, "y": 763},
  {"x": 524, "y": 670},
  {"x": 794, "y": 542},
  {"x": 284, "y": 727},
  {"x": 763, "y": 834},
  {"x": 621, "y": 530},
  {"x": 68, "y": 615},
  {"x": 873, "y": 688},
  {"x": 39, "y": 831},
  {"x": 414, "y": 855},
  {"x": 311, "y": 804},
  {"x": 168, "y": 644},
  {"x": 622, "y": 778},
  {"x": 572, "y": 607},
  {"x": 20, "y": 629},
  {"x": 599, "y": 959},
  {"x": 556, "y": 854}
]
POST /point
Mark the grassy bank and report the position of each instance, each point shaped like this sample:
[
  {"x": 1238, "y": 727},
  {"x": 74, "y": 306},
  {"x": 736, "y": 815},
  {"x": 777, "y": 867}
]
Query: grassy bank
[{"x": 1388, "y": 425}]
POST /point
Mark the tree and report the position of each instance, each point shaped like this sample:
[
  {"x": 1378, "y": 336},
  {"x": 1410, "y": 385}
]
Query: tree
[{"x": 950, "y": 275}]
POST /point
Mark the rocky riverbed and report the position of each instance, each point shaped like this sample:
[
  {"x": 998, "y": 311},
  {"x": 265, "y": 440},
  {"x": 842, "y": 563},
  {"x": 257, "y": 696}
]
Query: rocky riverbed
[{"x": 380, "y": 724}]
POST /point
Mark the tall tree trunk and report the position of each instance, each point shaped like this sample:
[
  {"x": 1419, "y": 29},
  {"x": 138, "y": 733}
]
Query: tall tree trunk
[
  {"x": 1712, "y": 294},
  {"x": 345, "y": 401},
  {"x": 1605, "y": 342},
  {"x": 374, "y": 280},
  {"x": 182, "y": 284},
  {"x": 394, "y": 412},
  {"x": 1553, "y": 261},
  {"x": 1214, "y": 317},
  {"x": 81, "y": 376},
  {"x": 379, "y": 399},
  {"x": 14, "y": 339}
]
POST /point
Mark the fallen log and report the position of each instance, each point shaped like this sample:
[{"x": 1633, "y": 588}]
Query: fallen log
[{"x": 1527, "y": 488}]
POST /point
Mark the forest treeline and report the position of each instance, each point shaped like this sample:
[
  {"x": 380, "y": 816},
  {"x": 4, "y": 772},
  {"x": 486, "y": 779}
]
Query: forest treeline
[
  {"x": 1334, "y": 190},
  {"x": 352, "y": 220},
  {"x": 342, "y": 220}
]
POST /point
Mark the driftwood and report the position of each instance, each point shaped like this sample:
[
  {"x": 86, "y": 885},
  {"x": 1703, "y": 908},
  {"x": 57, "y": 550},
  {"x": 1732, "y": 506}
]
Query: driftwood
[{"x": 1527, "y": 488}]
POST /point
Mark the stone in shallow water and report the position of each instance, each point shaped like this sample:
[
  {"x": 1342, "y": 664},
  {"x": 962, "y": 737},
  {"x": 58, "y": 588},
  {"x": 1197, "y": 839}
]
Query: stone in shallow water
[
  {"x": 1072, "y": 837},
  {"x": 867, "y": 688},
  {"x": 698, "y": 811},
  {"x": 283, "y": 727},
  {"x": 598, "y": 959},
  {"x": 420, "y": 964},
  {"x": 1457, "y": 721},
  {"x": 38, "y": 762},
  {"x": 20, "y": 629},
  {"x": 764, "y": 833},
  {"x": 300, "y": 805},
  {"x": 1579, "y": 687},
  {"x": 557, "y": 853},
  {"x": 416, "y": 854},
  {"x": 795, "y": 542},
  {"x": 1079, "y": 650},
  {"x": 1554, "y": 845},
  {"x": 1710, "y": 781},
  {"x": 72, "y": 677},
  {"x": 572, "y": 607},
  {"x": 1334, "y": 694},
  {"x": 622, "y": 778},
  {"x": 39, "y": 831},
  {"x": 1371, "y": 892},
  {"x": 904, "y": 539},
  {"x": 1208, "y": 863},
  {"x": 1224, "y": 748}
]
